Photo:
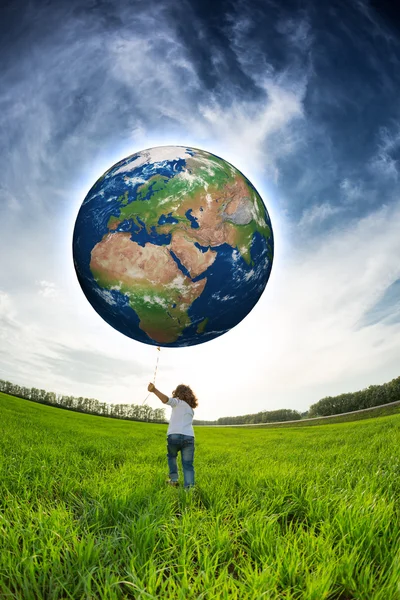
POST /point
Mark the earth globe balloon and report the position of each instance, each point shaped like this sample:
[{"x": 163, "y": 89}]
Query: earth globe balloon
[{"x": 173, "y": 246}]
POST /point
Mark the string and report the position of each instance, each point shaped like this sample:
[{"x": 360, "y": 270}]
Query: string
[{"x": 155, "y": 373}]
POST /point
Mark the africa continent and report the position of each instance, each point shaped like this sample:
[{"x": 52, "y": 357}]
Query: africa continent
[{"x": 164, "y": 235}]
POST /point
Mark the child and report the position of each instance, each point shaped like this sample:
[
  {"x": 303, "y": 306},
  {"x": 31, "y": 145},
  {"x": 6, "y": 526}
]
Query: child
[{"x": 180, "y": 434}]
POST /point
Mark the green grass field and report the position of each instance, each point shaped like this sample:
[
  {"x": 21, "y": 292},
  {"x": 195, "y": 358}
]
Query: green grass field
[{"x": 286, "y": 513}]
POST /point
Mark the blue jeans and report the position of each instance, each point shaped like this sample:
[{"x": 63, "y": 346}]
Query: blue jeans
[{"x": 184, "y": 443}]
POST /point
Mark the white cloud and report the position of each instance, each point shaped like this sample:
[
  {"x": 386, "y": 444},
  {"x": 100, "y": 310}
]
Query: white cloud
[
  {"x": 66, "y": 347},
  {"x": 48, "y": 289},
  {"x": 318, "y": 213},
  {"x": 302, "y": 340},
  {"x": 383, "y": 163},
  {"x": 248, "y": 128},
  {"x": 297, "y": 31},
  {"x": 351, "y": 190},
  {"x": 6, "y": 306}
]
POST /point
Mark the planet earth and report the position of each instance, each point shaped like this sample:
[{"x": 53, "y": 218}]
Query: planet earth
[{"x": 173, "y": 246}]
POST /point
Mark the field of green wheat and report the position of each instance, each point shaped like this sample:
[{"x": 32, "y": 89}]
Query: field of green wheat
[{"x": 297, "y": 513}]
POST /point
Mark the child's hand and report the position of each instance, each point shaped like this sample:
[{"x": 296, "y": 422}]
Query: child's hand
[{"x": 151, "y": 387}]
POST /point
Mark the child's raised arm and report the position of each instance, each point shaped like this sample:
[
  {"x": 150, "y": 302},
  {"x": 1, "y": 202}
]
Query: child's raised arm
[{"x": 151, "y": 388}]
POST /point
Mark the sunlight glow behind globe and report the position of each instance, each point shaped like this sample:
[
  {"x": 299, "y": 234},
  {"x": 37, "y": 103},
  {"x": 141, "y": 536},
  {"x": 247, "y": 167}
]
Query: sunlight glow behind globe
[{"x": 248, "y": 273}]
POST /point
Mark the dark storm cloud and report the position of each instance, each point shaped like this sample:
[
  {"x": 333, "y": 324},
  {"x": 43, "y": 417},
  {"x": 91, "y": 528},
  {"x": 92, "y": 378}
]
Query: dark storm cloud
[
  {"x": 200, "y": 26},
  {"x": 388, "y": 12},
  {"x": 351, "y": 94},
  {"x": 81, "y": 77}
]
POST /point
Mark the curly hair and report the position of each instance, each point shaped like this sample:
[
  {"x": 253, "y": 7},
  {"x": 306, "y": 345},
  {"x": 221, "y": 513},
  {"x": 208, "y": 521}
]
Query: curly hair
[{"x": 184, "y": 392}]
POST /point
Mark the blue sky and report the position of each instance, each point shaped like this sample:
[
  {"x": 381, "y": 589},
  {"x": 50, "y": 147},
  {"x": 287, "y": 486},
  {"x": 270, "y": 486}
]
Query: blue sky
[{"x": 302, "y": 97}]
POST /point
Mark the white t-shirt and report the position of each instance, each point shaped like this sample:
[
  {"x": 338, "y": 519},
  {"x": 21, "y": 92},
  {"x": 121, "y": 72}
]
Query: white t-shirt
[{"x": 181, "y": 417}]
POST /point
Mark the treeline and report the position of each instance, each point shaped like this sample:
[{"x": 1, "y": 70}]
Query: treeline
[
  {"x": 130, "y": 412},
  {"x": 374, "y": 395},
  {"x": 265, "y": 416}
]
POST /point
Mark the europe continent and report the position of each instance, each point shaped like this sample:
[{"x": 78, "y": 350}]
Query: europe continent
[{"x": 173, "y": 246}]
